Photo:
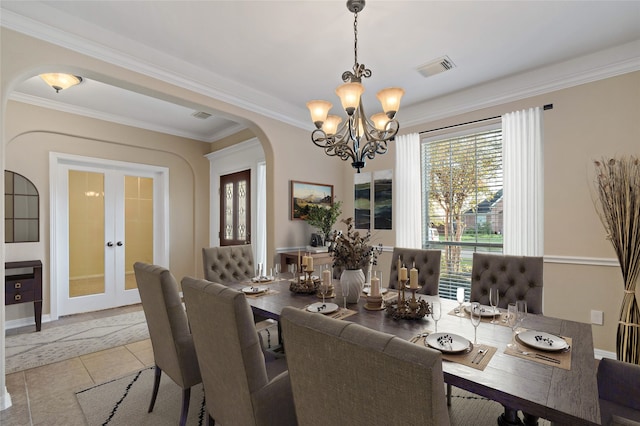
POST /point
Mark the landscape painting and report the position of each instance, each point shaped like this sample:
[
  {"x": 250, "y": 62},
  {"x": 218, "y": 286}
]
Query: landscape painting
[
  {"x": 362, "y": 200},
  {"x": 382, "y": 199},
  {"x": 304, "y": 194}
]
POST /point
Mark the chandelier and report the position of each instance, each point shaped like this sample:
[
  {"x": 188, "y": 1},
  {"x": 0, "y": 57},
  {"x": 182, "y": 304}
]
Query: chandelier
[{"x": 359, "y": 137}]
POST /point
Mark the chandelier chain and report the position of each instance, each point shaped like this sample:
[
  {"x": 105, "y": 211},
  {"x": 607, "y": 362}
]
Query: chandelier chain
[{"x": 355, "y": 40}]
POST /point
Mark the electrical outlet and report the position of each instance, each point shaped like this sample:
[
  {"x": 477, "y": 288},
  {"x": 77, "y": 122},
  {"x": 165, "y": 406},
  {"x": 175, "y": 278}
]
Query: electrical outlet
[{"x": 597, "y": 317}]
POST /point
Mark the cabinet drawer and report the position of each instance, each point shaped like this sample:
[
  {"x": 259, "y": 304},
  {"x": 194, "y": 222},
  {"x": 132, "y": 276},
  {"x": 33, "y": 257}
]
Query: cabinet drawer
[
  {"x": 18, "y": 282},
  {"x": 18, "y": 296}
]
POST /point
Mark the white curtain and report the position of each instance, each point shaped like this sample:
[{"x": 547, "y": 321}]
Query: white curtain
[
  {"x": 260, "y": 239},
  {"x": 522, "y": 151},
  {"x": 407, "y": 192}
]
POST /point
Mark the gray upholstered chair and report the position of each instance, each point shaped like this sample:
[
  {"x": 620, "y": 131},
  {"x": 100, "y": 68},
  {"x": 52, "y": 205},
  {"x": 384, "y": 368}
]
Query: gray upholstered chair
[
  {"x": 346, "y": 374},
  {"x": 517, "y": 278},
  {"x": 173, "y": 349},
  {"x": 227, "y": 264},
  {"x": 427, "y": 263},
  {"x": 241, "y": 387},
  {"x": 619, "y": 391}
]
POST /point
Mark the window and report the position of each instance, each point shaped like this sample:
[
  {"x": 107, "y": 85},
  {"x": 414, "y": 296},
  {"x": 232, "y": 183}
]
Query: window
[
  {"x": 21, "y": 209},
  {"x": 462, "y": 201}
]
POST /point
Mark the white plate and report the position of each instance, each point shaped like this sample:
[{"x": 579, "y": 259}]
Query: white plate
[
  {"x": 447, "y": 342},
  {"x": 261, "y": 279},
  {"x": 541, "y": 340},
  {"x": 323, "y": 308},
  {"x": 255, "y": 289},
  {"x": 367, "y": 290},
  {"x": 485, "y": 311}
]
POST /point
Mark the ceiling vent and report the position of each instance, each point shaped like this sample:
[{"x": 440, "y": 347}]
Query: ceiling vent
[
  {"x": 201, "y": 115},
  {"x": 436, "y": 66}
]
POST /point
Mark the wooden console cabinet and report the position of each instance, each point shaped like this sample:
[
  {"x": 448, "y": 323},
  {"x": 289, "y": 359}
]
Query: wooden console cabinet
[
  {"x": 22, "y": 284},
  {"x": 291, "y": 257}
]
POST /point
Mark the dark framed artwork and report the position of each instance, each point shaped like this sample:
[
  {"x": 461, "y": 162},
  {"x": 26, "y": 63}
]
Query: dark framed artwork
[
  {"x": 382, "y": 199},
  {"x": 304, "y": 194},
  {"x": 362, "y": 200}
]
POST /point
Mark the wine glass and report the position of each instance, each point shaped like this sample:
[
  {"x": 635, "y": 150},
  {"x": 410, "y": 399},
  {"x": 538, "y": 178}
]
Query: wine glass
[
  {"x": 436, "y": 312},
  {"x": 276, "y": 271},
  {"x": 322, "y": 289},
  {"x": 475, "y": 320},
  {"x": 512, "y": 320},
  {"x": 521, "y": 306},
  {"x": 344, "y": 286},
  {"x": 494, "y": 300},
  {"x": 460, "y": 298}
]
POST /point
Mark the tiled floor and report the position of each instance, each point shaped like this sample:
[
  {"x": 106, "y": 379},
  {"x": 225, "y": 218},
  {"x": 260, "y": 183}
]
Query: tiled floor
[{"x": 46, "y": 395}]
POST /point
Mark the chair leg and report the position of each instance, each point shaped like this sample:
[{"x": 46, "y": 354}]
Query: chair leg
[
  {"x": 448, "y": 395},
  {"x": 156, "y": 386},
  {"x": 186, "y": 395},
  {"x": 509, "y": 417}
]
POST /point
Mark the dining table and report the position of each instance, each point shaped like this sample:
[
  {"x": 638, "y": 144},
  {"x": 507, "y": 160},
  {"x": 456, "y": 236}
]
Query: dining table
[{"x": 541, "y": 389}]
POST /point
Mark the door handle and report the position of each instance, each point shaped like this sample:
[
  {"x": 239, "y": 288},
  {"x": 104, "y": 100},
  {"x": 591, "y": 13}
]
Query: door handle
[
  {"x": 109, "y": 244},
  {"x": 119, "y": 243}
]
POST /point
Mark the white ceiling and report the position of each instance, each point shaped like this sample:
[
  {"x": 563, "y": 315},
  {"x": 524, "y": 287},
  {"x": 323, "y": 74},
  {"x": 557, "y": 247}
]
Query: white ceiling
[{"x": 273, "y": 56}]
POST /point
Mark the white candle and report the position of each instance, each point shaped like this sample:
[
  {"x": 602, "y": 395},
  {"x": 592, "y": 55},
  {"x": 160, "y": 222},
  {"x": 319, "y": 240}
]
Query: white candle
[
  {"x": 326, "y": 277},
  {"x": 413, "y": 277},
  {"x": 309, "y": 263},
  {"x": 375, "y": 286},
  {"x": 403, "y": 274}
]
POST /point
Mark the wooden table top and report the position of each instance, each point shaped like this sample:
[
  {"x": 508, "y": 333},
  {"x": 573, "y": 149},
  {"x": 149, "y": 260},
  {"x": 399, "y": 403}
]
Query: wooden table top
[{"x": 552, "y": 393}]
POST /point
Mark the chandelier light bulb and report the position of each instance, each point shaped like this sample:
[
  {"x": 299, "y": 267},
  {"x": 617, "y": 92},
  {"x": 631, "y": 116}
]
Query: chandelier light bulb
[
  {"x": 390, "y": 100},
  {"x": 349, "y": 94},
  {"x": 380, "y": 121},
  {"x": 331, "y": 124},
  {"x": 319, "y": 110}
]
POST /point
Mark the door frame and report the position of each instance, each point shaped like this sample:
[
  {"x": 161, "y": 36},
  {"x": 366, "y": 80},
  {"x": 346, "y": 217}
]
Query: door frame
[
  {"x": 242, "y": 156},
  {"x": 58, "y": 233}
]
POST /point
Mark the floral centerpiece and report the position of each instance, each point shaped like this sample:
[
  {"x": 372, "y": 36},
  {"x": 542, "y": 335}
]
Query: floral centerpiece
[
  {"x": 352, "y": 250},
  {"x": 352, "y": 253}
]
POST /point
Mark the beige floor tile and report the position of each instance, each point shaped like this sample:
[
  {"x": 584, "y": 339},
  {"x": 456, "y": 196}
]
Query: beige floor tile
[
  {"x": 111, "y": 363},
  {"x": 68, "y": 375},
  {"x": 143, "y": 351},
  {"x": 18, "y": 414},
  {"x": 60, "y": 408}
]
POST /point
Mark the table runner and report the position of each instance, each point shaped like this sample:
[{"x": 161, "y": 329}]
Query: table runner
[
  {"x": 560, "y": 359},
  {"x": 466, "y": 358}
]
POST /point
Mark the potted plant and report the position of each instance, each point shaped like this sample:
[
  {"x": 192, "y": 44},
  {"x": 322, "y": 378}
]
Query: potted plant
[
  {"x": 324, "y": 218},
  {"x": 352, "y": 253},
  {"x": 617, "y": 185}
]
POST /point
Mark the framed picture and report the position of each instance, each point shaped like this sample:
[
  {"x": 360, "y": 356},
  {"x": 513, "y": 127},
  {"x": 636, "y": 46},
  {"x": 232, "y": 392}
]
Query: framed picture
[{"x": 304, "y": 194}]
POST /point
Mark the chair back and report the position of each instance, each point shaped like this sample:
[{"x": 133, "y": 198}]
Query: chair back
[
  {"x": 427, "y": 263},
  {"x": 236, "y": 384},
  {"x": 171, "y": 338},
  {"x": 517, "y": 278},
  {"x": 344, "y": 373},
  {"x": 619, "y": 392},
  {"x": 228, "y": 264}
]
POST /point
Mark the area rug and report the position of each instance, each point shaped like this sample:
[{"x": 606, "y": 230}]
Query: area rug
[
  {"x": 24, "y": 351},
  {"x": 125, "y": 401}
]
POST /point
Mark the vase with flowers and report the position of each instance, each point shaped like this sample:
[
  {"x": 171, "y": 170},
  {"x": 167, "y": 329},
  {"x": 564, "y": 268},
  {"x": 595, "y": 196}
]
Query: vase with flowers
[{"x": 352, "y": 253}]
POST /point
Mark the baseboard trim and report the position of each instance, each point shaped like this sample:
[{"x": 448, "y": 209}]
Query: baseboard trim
[
  {"x": 599, "y": 354},
  {"x": 23, "y": 322}
]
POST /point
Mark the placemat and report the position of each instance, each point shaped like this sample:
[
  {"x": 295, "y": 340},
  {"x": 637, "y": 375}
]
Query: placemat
[
  {"x": 269, "y": 292},
  {"x": 560, "y": 359},
  {"x": 474, "y": 358},
  {"x": 501, "y": 320}
]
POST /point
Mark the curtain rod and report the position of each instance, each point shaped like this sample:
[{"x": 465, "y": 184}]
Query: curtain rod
[{"x": 544, "y": 108}]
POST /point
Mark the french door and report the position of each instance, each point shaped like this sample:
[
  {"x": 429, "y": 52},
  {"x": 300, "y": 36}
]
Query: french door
[
  {"x": 107, "y": 220},
  {"x": 235, "y": 208}
]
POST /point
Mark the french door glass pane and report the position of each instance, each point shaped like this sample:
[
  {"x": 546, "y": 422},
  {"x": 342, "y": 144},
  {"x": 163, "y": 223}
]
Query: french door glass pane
[
  {"x": 86, "y": 233},
  {"x": 242, "y": 210},
  {"x": 138, "y": 225},
  {"x": 228, "y": 211}
]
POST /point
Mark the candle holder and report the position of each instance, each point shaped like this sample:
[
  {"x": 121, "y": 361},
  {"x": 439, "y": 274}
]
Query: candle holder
[
  {"x": 307, "y": 285},
  {"x": 401, "y": 308}
]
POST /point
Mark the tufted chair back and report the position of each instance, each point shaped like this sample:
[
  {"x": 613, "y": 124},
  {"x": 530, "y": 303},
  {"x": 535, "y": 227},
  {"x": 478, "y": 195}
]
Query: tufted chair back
[
  {"x": 337, "y": 369},
  {"x": 228, "y": 264},
  {"x": 517, "y": 278},
  {"x": 427, "y": 263}
]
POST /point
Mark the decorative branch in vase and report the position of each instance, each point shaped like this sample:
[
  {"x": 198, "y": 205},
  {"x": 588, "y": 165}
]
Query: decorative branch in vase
[{"x": 617, "y": 185}]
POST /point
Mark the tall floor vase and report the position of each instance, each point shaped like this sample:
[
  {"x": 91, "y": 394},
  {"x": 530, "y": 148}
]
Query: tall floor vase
[{"x": 628, "y": 341}]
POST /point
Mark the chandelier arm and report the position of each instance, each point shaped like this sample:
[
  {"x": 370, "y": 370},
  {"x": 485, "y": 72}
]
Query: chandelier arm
[{"x": 332, "y": 147}]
